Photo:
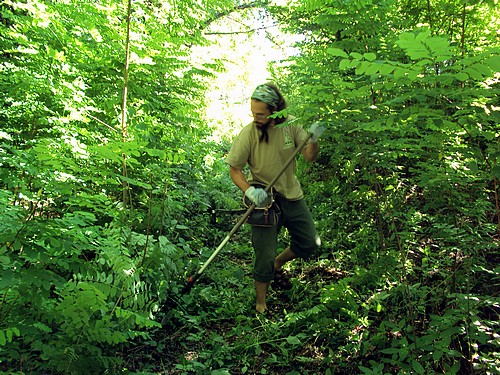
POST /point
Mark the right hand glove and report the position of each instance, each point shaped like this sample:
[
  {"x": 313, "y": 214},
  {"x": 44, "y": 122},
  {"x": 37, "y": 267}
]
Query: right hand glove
[
  {"x": 256, "y": 195},
  {"x": 316, "y": 131}
]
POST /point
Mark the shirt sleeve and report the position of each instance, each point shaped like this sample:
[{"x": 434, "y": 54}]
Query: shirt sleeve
[
  {"x": 300, "y": 135},
  {"x": 240, "y": 151}
]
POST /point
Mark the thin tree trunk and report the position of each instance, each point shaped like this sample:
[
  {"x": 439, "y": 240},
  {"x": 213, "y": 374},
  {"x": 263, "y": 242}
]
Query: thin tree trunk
[
  {"x": 497, "y": 203},
  {"x": 124, "y": 103},
  {"x": 462, "y": 32}
]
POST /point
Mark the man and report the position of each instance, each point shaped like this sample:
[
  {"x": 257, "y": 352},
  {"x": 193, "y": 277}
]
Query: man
[{"x": 265, "y": 147}]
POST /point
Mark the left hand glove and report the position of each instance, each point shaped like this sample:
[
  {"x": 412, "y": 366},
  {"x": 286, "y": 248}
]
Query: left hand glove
[
  {"x": 316, "y": 130},
  {"x": 257, "y": 196}
]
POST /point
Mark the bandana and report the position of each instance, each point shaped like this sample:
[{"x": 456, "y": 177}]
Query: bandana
[{"x": 267, "y": 95}]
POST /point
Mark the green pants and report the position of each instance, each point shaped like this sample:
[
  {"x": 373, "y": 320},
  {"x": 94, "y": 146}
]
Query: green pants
[{"x": 294, "y": 216}]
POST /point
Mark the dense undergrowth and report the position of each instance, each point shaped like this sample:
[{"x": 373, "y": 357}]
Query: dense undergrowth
[{"x": 357, "y": 309}]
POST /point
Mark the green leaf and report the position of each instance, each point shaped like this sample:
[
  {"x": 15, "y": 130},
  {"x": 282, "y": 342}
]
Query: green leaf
[
  {"x": 473, "y": 166},
  {"x": 455, "y": 368},
  {"x": 336, "y": 52},
  {"x": 462, "y": 76},
  {"x": 4, "y": 259},
  {"x": 220, "y": 372},
  {"x": 400, "y": 72},
  {"x": 482, "y": 69},
  {"x": 437, "y": 355},
  {"x": 344, "y": 64},
  {"x": 473, "y": 73},
  {"x": 439, "y": 47},
  {"x": 158, "y": 153},
  {"x": 493, "y": 63},
  {"x": 386, "y": 69},
  {"x": 416, "y": 53},
  {"x": 423, "y": 35},
  {"x": 365, "y": 370},
  {"x": 406, "y": 37},
  {"x": 42, "y": 327},
  {"x": 372, "y": 69},
  {"x": 293, "y": 340},
  {"x": 356, "y": 56},
  {"x": 370, "y": 56},
  {"x": 419, "y": 369},
  {"x": 362, "y": 67}
]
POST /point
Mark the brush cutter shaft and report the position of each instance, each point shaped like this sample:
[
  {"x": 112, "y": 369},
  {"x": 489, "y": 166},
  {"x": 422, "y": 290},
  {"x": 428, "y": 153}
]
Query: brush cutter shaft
[
  {"x": 230, "y": 234},
  {"x": 287, "y": 163}
]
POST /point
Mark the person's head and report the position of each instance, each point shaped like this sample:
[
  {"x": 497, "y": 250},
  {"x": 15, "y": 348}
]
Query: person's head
[{"x": 265, "y": 101}]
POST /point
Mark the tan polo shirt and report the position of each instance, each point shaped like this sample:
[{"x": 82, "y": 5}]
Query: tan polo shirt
[{"x": 266, "y": 160}]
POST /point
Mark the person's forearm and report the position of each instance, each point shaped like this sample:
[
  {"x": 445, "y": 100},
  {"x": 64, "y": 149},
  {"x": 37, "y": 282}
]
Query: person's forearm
[
  {"x": 239, "y": 178},
  {"x": 311, "y": 151}
]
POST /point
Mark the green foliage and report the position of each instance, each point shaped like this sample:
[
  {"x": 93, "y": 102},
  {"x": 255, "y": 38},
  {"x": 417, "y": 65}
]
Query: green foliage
[
  {"x": 86, "y": 265},
  {"x": 100, "y": 225},
  {"x": 407, "y": 186}
]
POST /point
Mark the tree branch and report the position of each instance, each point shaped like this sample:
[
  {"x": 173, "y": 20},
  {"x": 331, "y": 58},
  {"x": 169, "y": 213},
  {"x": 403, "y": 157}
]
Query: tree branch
[
  {"x": 254, "y": 4},
  {"x": 240, "y": 32},
  {"x": 101, "y": 122}
]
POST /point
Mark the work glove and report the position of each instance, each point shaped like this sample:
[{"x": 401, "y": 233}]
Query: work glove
[
  {"x": 257, "y": 195},
  {"x": 316, "y": 130}
]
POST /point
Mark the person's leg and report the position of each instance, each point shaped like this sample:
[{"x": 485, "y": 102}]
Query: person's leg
[
  {"x": 304, "y": 238},
  {"x": 261, "y": 293},
  {"x": 285, "y": 256},
  {"x": 265, "y": 243}
]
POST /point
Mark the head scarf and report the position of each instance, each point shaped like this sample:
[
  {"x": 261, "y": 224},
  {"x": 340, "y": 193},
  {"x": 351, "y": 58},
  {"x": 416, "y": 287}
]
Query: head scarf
[{"x": 266, "y": 94}]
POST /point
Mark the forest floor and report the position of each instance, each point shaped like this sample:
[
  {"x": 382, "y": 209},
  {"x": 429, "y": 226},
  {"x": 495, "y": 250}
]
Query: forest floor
[
  {"x": 332, "y": 321},
  {"x": 214, "y": 329}
]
